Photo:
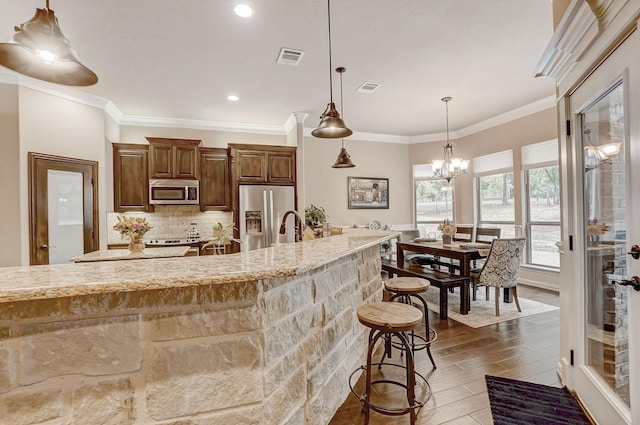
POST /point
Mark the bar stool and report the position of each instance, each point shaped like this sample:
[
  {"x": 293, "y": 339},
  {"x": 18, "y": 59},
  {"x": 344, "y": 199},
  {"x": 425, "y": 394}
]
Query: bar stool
[
  {"x": 407, "y": 290},
  {"x": 385, "y": 318}
]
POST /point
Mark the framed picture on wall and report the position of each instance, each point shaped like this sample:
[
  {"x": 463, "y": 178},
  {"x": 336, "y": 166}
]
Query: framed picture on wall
[{"x": 368, "y": 193}]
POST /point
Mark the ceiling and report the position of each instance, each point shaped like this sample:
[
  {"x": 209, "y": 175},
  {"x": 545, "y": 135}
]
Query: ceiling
[{"x": 180, "y": 59}]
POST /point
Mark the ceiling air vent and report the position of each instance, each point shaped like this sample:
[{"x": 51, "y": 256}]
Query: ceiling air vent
[
  {"x": 367, "y": 87},
  {"x": 290, "y": 56}
]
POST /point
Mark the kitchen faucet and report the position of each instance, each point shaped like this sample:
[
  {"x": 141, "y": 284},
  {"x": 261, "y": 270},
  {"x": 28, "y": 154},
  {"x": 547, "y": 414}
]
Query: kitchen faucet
[{"x": 298, "y": 224}]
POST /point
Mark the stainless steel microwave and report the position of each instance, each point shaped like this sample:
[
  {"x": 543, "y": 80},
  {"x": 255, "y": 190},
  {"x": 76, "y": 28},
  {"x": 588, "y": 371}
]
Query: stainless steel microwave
[{"x": 174, "y": 192}]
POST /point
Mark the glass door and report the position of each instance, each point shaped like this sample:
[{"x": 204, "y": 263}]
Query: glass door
[
  {"x": 601, "y": 318},
  {"x": 605, "y": 233}
]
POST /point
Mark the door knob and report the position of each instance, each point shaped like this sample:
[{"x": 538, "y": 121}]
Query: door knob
[
  {"x": 43, "y": 246},
  {"x": 635, "y": 282}
]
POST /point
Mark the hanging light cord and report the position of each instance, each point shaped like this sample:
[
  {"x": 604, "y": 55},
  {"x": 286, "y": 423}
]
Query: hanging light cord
[
  {"x": 330, "y": 64},
  {"x": 341, "y": 101},
  {"x": 446, "y": 104}
]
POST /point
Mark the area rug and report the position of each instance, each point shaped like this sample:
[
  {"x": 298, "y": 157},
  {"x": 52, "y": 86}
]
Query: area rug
[
  {"x": 483, "y": 312},
  {"x": 524, "y": 403}
]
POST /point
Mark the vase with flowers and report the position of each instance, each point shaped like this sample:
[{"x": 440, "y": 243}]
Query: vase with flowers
[
  {"x": 448, "y": 229},
  {"x": 595, "y": 229},
  {"x": 134, "y": 228}
]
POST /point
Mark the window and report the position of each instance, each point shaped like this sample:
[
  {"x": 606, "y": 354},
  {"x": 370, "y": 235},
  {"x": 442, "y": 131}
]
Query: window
[
  {"x": 495, "y": 192},
  {"x": 496, "y": 203},
  {"x": 433, "y": 199},
  {"x": 542, "y": 203}
]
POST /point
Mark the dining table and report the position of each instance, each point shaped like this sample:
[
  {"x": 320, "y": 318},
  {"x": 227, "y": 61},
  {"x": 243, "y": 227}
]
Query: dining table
[{"x": 464, "y": 253}]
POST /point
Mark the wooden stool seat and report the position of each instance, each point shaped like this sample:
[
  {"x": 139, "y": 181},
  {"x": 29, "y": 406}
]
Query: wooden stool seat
[
  {"x": 394, "y": 316},
  {"x": 406, "y": 284},
  {"x": 408, "y": 290}
]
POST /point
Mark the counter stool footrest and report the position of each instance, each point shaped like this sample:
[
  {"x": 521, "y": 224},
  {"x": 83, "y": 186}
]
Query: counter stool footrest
[{"x": 391, "y": 410}]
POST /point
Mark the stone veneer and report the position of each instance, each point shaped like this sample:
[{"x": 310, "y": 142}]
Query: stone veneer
[{"x": 265, "y": 351}]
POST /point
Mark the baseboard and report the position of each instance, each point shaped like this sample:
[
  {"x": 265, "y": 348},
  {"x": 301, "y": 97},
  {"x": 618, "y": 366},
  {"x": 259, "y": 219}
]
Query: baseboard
[{"x": 538, "y": 284}]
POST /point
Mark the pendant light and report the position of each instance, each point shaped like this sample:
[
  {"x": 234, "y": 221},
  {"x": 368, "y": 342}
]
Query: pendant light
[
  {"x": 598, "y": 155},
  {"x": 448, "y": 167},
  {"x": 344, "y": 159},
  {"x": 331, "y": 125},
  {"x": 39, "y": 49}
]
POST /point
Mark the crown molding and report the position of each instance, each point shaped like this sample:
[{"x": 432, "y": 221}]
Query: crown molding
[
  {"x": 575, "y": 33},
  {"x": 63, "y": 92},
  {"x": 75, "y": 95},
  {"x": 145, "y": 121},
  {"x": 523, "y": 111}
]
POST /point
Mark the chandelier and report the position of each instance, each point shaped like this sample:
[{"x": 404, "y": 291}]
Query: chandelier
[{"x": 449, "y": 167}]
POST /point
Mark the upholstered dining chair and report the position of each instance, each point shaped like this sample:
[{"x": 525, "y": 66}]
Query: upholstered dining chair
[{"x": 500, "y": 270}]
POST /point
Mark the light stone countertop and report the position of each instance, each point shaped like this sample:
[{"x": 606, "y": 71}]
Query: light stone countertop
[
  {"x": 125, "y": 254},
  {"x": 281, "y": 260}
]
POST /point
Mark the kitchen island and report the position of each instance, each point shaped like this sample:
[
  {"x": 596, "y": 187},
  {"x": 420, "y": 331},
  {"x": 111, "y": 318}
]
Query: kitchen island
[{"x": 261, "y": 337}]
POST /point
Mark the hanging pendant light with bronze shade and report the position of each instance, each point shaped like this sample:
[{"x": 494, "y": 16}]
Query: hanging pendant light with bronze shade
[
  {"x": 331, "y": 125},
  {"x": 40, "y": 50},
  {"x": 344, "y": 159}
]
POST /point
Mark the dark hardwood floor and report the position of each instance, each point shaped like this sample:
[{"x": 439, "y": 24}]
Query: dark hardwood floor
[{"x": 526, "y": 349}]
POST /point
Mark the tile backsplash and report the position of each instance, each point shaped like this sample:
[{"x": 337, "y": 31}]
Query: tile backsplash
[{"x": 171, "y": 222}]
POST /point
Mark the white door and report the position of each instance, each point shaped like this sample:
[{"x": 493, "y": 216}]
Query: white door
[{"x": 605, "y": 118}]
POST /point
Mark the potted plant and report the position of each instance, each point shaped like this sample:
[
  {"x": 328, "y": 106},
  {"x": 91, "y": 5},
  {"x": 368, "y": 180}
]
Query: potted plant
[
  {"x": 314, "y": 216},
  {"x": 222, "y": 236}
]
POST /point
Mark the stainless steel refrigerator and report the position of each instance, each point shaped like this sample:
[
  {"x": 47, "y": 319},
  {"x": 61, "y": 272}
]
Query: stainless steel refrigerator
[{"x": 261, "y": 210}]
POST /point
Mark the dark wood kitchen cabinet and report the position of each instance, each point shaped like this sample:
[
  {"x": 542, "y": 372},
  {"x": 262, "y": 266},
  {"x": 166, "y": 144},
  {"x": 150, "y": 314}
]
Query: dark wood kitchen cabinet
[
  {"x": 215, "y": 180},
  {"x": 173, "y": 158},
  {"x": 131, "y": 177},
  {"x": 263, "y": 164}
]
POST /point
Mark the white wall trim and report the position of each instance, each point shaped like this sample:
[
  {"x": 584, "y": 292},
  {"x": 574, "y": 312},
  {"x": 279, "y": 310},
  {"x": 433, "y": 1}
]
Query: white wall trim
[
  {"x": 145, "y": 121},
  {"x": 63, "y": 92},
  {"x": 539, "y": 284},
  {"x": 523, "y": 111},
  {"x": 76, "y": 95}
]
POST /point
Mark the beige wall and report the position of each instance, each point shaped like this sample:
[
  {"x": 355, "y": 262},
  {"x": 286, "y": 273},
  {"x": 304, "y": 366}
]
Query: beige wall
[
  {"x": 327, "y": 187},
  {"x": 51, "y": 125},
  {"x": 10, "y": 210}
]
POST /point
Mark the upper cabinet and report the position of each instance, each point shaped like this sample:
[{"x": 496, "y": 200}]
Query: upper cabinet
[
  {"x": 264, "y": 164},
  {"x": 173, "y": 158},
  {"x": 131, "y": 177},
  {"x": 215, "y": 180}
]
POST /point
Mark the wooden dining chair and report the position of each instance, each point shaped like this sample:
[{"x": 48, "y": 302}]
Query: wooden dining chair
[
  {"x": 487, "y": 234},
  {"x": 464, "y": 233},
  {"x": 500, "y": 270},
  {"x": 483, "y": 235}
]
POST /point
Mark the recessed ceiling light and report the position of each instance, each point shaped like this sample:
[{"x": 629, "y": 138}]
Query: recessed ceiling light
[
  {"x": 243, "y": 10},
  {"x": 233, "y": 98}
]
